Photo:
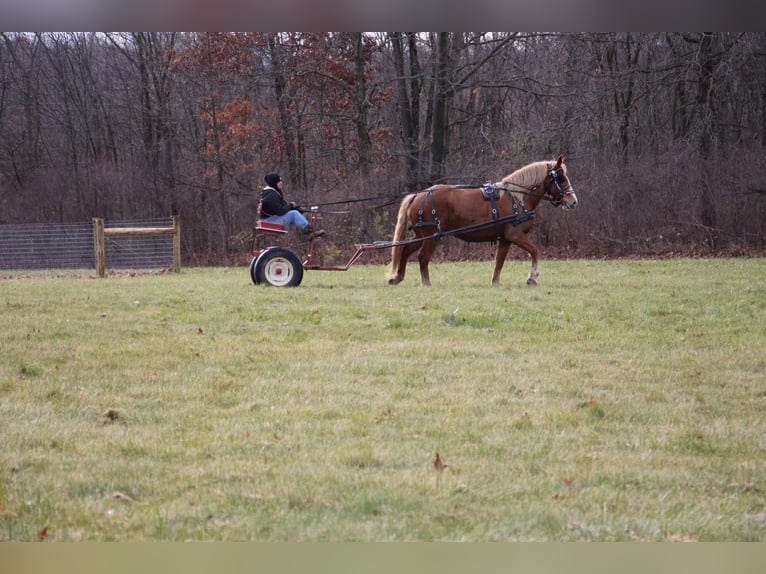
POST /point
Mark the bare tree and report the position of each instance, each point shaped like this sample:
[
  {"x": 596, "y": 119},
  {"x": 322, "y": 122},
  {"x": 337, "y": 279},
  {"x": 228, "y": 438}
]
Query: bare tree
[
  {"x": 408, "y": 81},
  {"x": 143, "y": 124}
]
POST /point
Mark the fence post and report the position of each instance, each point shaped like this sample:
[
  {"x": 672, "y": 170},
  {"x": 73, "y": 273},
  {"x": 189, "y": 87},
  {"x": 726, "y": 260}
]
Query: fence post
[
  {"x": 176, "y": 244},
  {"x": 99, "y": 246}
]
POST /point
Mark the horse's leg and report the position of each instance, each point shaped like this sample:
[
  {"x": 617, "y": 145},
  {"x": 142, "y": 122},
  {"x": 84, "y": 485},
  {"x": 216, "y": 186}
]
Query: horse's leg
[
  {"x": 423, "y": 258},
  {"x": 407, "y": 251},
  {"x": 524, "y": 242},
  {"x": 502, "y": 252}
]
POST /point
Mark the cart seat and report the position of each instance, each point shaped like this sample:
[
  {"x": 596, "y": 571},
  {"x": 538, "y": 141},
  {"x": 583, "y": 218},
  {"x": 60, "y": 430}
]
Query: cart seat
[{"x": 262, "y": 225}]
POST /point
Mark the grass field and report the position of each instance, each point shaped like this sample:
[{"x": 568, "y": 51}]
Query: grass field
[{"x": 618, "y": 400}]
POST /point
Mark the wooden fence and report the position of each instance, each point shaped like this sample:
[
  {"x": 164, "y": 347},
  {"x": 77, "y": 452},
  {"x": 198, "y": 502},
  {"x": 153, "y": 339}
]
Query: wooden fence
[
  {"x": 101, "y": 232},
  {"x": 133, "y": 244}
]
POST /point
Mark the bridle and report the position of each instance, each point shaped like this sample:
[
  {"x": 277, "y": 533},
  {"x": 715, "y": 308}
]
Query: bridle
[{"x": 557, "y": 179}]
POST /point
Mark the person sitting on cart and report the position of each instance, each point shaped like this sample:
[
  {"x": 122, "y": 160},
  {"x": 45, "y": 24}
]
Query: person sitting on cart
[{"x": 274, "y": 208}]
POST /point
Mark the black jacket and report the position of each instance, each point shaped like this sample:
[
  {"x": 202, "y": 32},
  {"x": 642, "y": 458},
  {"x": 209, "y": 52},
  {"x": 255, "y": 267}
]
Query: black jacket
[{"x": 273, "y": 203}]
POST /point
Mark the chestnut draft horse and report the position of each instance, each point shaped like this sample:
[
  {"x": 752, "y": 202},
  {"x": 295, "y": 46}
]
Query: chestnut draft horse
[{"x": 501, "y": 211}]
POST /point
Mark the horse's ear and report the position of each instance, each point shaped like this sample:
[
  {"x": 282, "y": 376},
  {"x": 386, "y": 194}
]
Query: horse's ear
[{"x": 560, "y": 161}]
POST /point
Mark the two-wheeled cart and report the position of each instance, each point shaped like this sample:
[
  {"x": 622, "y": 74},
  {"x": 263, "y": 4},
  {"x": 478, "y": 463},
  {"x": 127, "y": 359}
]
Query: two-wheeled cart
[{"x": 280, "y": 266}]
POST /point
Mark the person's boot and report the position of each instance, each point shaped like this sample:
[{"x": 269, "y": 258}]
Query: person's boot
[{"x": 310, "y": 234}]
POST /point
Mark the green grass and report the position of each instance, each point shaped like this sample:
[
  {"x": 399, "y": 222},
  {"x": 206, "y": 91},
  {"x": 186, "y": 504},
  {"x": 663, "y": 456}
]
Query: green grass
[{"x": 618, "y": 400}]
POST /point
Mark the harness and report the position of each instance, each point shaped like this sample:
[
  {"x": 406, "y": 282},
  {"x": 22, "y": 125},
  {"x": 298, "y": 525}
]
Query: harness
[
  {"x": 491, "y": 193},
  {"x": 435, "y": 222}
]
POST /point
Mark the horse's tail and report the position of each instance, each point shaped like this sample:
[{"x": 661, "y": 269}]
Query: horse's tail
[{"x": 399, "y": 232}]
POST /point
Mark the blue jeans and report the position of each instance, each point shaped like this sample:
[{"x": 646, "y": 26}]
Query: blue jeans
[{"x": 292, "y": 218}]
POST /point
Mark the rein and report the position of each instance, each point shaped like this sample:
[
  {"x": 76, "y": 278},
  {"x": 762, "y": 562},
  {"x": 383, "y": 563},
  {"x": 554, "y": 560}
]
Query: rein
[
  {"x": 391, "y": 200},
  {"x": 514, "y": 219}
]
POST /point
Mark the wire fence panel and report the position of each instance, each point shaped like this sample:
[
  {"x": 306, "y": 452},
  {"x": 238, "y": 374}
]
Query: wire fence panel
[
  {"x": 71, "y": 246},
  {"x": 47, "y": 246},
  {"x": 139, "y": 251}
]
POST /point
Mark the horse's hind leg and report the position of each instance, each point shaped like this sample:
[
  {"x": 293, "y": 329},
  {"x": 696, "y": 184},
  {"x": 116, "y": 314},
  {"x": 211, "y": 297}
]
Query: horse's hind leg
[{"x": 500, "y": 255}]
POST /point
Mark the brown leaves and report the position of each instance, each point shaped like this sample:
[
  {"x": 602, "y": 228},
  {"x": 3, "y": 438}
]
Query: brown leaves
[
  {"x": 122, "y": 497},
  {"x": 682, "y": 537},
  {"x": 111, "y": 416},
  {"x": 568, "y": 482},
  {"x": 439, "y": 466}
]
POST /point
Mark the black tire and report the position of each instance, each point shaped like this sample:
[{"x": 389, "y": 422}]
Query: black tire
[
  {"x": 278, "y": 267},
  {"x": 253, "y": 275}
]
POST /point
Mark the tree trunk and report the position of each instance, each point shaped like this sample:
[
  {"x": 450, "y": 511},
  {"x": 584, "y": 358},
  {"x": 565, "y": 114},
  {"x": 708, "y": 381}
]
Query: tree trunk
[
  {"x": 362, "y": 105},
  {"x": 763, "y": 91},
  {"x": 409, "y": 100},
  {"x": 707, "y": 110},
  {"x": 622, "y": 57},
  {"x": 153, "y": 61},
  {"x": 297, "y": 176},
  {"x": 442, "y": 95}
]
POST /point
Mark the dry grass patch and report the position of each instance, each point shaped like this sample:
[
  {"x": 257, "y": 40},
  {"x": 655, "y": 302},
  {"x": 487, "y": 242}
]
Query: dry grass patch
[{"x": 619, "y": 400}]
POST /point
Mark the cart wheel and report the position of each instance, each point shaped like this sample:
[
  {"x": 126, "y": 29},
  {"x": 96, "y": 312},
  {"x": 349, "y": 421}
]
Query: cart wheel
[
  {"x": 255, "y": 266},
  {"x": 253, "y": 274},
  {"x": 278, "y": 267}
]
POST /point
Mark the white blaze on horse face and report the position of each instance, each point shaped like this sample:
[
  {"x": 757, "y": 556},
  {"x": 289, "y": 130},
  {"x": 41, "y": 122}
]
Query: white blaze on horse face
[
  {"x": 570, "y": 199},
  {"x": 569, "y": 196}
]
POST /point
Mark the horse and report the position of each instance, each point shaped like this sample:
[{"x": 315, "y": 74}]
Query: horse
[{"x": 502, "y": 211}]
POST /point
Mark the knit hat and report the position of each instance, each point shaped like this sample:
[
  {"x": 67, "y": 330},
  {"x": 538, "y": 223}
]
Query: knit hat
[{"x": 272, "y": 179}]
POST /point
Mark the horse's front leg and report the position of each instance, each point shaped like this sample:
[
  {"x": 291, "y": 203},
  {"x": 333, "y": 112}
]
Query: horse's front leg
[
  {"x": 530, "y": 248},
  {"x": 502, "y": 252},
  {"x": 423, "y": 258},
  {"x": 407, "y": 251},
  {"x": 534, "y": 273}
]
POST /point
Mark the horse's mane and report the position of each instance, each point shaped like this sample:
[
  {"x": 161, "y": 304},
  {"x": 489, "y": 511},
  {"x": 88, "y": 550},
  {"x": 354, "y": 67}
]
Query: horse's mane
[{"x": 527, "y": 177}]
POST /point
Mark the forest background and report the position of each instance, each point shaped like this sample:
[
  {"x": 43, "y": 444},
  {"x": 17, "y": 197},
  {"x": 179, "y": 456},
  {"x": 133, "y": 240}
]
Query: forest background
[{"x": 664, "y": 133}]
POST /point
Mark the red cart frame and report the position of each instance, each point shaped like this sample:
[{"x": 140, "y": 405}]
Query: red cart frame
[{"x": 281, "y": 267}]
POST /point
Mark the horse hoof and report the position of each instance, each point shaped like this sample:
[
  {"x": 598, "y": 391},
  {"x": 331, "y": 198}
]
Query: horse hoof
[
  {"x": 531, "y": 282},
  {"x": 393, "y": 281}
]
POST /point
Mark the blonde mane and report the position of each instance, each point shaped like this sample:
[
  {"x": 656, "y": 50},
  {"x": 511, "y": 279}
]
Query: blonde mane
[{"x": 527, "y": 177}]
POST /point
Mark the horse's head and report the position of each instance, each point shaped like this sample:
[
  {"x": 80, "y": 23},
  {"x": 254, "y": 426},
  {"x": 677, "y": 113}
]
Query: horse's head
[{"x": 558, "y": 189}]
